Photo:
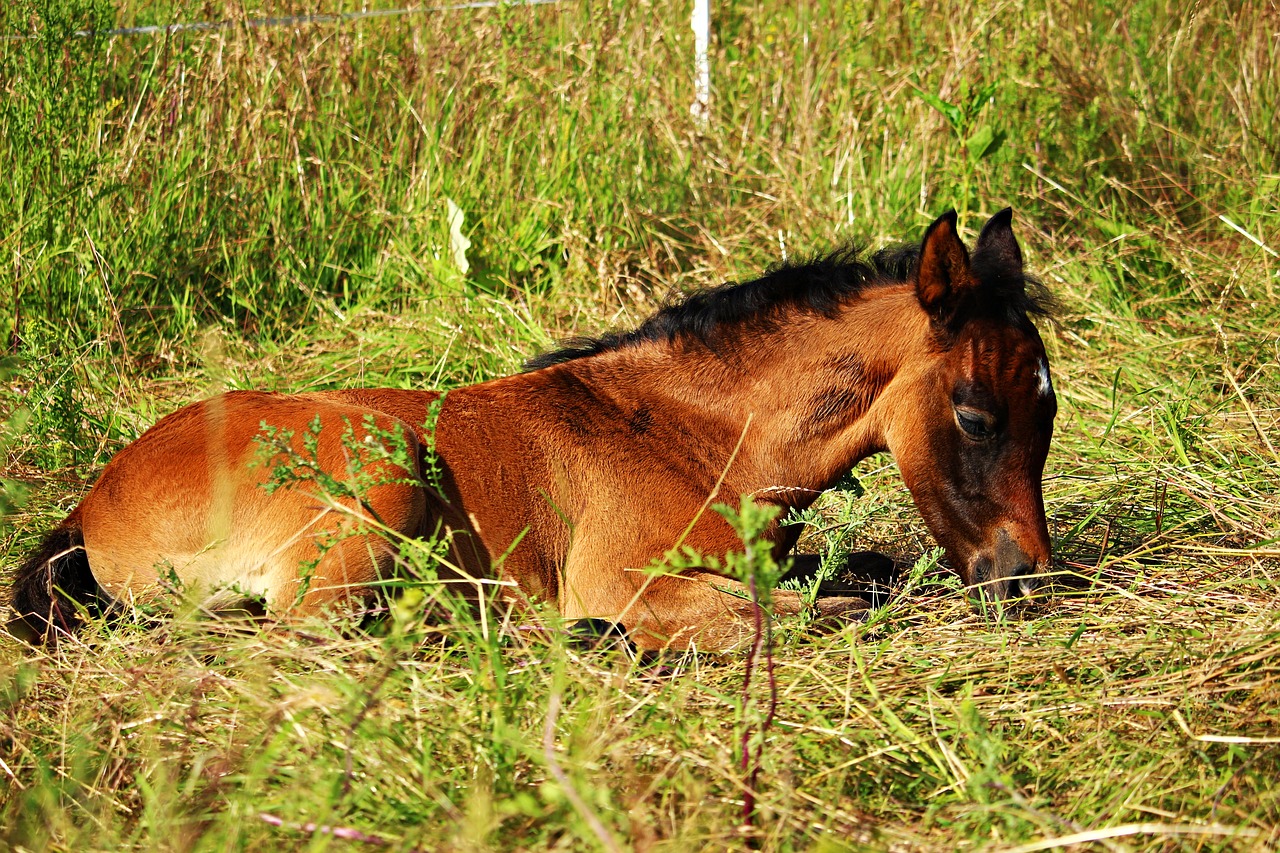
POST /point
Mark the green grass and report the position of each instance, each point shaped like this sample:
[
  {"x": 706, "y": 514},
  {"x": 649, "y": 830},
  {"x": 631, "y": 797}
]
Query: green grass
[{"x": 270, "y": 208}]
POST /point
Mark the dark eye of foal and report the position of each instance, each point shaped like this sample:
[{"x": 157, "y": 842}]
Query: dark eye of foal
[{"x": 978, "y": 425}]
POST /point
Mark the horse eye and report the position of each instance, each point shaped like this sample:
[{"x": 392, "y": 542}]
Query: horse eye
[{"x": 978, "y": 425}]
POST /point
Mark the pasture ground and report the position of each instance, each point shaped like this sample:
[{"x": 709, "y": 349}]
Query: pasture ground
[{"x": 279, "y": 208}]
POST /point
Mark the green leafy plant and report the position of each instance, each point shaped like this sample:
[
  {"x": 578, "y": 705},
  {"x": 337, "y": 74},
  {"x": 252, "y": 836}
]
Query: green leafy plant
[
  {"x": 756, "y": 567},
  {"x": 974, "y": 126}
]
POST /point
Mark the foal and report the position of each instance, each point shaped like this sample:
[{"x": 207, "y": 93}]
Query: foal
[{"x": 560, "y": 483}]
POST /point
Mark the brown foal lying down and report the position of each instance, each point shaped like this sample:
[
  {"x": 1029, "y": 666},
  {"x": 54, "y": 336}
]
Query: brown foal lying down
[{"x": 566, "y": 479}]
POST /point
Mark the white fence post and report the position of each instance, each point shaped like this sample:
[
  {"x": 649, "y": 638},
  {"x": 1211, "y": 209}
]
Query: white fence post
[{"x": 701, "y": 106}]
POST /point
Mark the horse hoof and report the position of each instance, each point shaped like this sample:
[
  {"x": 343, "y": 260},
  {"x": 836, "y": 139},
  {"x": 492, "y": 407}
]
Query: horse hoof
[{"x": 836, "y": 612}]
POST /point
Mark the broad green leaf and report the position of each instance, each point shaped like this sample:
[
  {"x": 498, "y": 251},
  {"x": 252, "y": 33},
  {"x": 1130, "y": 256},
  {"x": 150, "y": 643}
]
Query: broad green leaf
[
  {"x": 953, "y": 114},
  {"x": 984, "y": 142}
]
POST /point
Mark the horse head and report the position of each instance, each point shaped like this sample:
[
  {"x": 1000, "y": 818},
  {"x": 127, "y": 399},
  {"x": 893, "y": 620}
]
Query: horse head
[{"x": 971, "y": 429}]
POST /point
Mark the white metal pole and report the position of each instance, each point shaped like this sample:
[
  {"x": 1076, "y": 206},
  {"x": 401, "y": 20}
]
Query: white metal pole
[{"x": 701, "y": 106}]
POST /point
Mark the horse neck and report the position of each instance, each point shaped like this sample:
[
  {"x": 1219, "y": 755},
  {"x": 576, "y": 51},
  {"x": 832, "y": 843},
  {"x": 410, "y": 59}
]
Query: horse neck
[{"x": 799, "y": 396}]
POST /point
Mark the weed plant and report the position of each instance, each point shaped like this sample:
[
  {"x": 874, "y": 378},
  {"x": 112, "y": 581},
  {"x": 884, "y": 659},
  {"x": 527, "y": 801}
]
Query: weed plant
[{"x": 425, "y": 201}]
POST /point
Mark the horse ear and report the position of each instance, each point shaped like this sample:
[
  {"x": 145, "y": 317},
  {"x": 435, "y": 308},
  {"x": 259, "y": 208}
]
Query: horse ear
[
  {"x": 944, "y": 281},
  {"x": 997, "y": 250}
]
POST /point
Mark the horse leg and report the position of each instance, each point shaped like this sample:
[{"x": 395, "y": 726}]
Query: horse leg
[
  {"x": 717, "y": 613},
  {"x": 867, "y": 574},
  {"x": 352, "y": 553},
  {"x": 701, "y": 609}
]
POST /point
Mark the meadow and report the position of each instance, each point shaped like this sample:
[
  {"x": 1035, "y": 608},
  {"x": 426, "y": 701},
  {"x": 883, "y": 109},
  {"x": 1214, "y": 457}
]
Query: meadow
[{"x": 428, "y": 200}]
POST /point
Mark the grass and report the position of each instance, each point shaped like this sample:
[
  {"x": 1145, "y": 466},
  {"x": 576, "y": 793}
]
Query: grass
[{"x": 271, "y": 208}]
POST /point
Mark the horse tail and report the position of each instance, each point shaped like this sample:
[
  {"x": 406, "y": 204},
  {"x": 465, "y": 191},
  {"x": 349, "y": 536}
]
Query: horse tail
[{"x": 54, "y": 588}]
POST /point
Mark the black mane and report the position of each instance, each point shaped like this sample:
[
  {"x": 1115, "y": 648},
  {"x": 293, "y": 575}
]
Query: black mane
[{"x": 818, "y": 285}]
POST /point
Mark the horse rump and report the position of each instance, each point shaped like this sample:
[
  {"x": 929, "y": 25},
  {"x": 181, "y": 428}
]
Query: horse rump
[{"x": 54, "y": 588}]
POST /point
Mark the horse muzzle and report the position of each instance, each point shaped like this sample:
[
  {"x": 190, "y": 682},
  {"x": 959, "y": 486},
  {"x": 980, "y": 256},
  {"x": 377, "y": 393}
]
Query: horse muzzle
[{"x": 1005, "y": 572}]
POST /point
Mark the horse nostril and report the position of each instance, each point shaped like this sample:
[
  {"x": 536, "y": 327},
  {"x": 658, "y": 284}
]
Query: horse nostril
[
  {"x": 1015, "y": 567},
  {"x": 1026, "y": 578}
]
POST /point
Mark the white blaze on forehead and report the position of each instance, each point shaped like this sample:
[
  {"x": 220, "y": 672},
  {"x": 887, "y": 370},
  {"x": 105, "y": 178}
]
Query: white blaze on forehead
[{"x": 1042, "y": 373}]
